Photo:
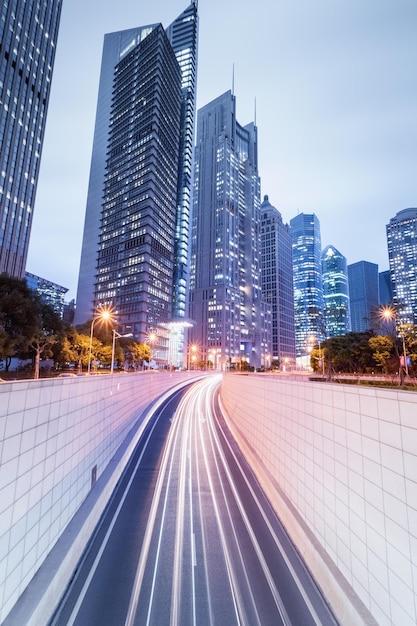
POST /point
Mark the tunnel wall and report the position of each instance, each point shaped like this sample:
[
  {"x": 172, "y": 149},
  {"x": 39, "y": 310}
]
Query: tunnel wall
[
  {"x": 339, "y": 463},
  {"x": 58, "y": 438}
]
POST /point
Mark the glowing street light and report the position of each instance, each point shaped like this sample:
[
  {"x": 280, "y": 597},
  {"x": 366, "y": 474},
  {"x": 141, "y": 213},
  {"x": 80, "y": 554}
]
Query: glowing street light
[
  {"x": 192, "y": 354},
  {"x": 104, "y": 315},
  {"x": 312, "y": 339},
  {"x": 388, "y": 313}
]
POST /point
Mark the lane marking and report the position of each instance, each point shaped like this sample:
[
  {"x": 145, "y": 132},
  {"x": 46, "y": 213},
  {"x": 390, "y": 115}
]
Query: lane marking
[{"x": 93, "y": 569}]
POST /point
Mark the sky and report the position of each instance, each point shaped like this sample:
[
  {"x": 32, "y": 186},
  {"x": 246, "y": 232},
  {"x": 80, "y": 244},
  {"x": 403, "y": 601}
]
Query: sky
[{"x": 331, "y": 85}]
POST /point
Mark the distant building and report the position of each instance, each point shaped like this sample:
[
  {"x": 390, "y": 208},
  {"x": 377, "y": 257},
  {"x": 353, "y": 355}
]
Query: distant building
[
  {"x": 277, "y": 281},
  {"x": 385, "y": 288},
  {"x": 364, "y": 296},
  {"x": 49, "y": 292},
  {"x": 308, "y": 282},
  {"x": 69, "y": 312},
  {"x": 231, "y": 322},
  {"x": 335, "y": 292},
  {"x": 134, "y": 255},
  {"x": 28, "y": 36},
  {"x": 402, "y": 254}
]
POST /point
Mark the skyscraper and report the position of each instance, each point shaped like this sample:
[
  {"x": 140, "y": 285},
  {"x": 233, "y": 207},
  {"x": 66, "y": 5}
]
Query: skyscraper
[
  {"x": 28, "y": 38},
  {"x": 135, "y": 246},
  {"x": 402, "y": 254},
  {"x": 277, "y": 281},
  {"x": 363, "y": 294},
  {"x": 225, "y": 291},
  {"x": 335, "y": 292},
  {"x": 308, "y": 283},
  {"x": 385, "y": 288}
]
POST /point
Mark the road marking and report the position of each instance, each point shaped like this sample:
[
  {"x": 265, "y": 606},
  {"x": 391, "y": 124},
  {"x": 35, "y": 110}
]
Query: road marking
[{"x": 93, "y": 569}]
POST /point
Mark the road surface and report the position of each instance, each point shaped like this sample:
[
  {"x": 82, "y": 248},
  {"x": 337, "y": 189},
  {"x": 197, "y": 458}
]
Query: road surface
[{"x": 189, "y": 538}]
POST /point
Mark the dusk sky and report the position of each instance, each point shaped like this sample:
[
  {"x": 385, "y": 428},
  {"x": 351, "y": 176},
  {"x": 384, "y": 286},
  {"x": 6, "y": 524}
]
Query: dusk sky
[{"x": 336, "y": 109}]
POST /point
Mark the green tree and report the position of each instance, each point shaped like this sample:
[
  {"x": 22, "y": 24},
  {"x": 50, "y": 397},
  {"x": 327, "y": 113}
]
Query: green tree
[
  {"x": 136, "y": 353},
  {"x": 49, "y": 328},
  {"x": 383, "y": 347},
  {"x": 408, "y": 335},
  {"x": 73, "y": 349},
  {"x": 19, "y": 316}
]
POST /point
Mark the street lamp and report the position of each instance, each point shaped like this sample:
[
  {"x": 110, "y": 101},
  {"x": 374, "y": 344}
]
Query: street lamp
[
  {"x": 313, "y": 339},
  {"x": 116, "y": 335},
  {"x": 104, "y": 315},
  {"x": 389, "y": 313},
  {"x": 191, "y": 354},
  {"x": 151, "y": 340}
]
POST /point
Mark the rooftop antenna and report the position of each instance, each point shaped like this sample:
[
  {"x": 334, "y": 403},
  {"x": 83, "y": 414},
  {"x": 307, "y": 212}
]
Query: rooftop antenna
[
  {"x": 255, "y": 112},
  {"x": 233, "y": 79}
]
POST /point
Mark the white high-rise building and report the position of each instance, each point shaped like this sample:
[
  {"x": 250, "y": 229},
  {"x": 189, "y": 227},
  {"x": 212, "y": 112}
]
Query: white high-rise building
[
  {"x": 402, "y": 253},
  {"x": 232, "y": 325},
  {"x": 277, "y": 282}
]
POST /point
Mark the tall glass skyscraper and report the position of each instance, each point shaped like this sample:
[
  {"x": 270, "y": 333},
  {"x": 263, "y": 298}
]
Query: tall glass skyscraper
[
  {"x": 402, "y": 254},
  {"x": 335, "y": 292},
  {"x": 28, "y": 38},
  {"x": 134, "y": 255},
  {"x": 225, "y": 294},
  {"x": 308, "y": 283},
  {"x": 363, "y": 294},
  {"x": 277, "y": 281},
  {"x": 385, "y": 288}
]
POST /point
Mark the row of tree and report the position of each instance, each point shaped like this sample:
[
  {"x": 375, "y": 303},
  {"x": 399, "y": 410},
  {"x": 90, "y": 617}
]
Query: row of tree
[
  {"x": 390, "y": 352},
  {"x": 31, "y": 329}
]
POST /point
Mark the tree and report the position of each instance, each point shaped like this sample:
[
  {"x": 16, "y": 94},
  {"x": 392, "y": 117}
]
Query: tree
[
  {"x": 72, "y": 349},
  {"x": 408, "y": 334},
  {"x": 344, "y": 353},
  {"x": 382, "y": 347},
  {"x": 136, "y": 353},
  {"x": 46, "y": 334},
  {"x": 19, "y": 311},
  {"x": 27, "y": 325}
]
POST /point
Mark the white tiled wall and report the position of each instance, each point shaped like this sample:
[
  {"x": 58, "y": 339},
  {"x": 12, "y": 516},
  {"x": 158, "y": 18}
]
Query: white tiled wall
[
  {"x": 345, "y": 458},
  {"x": 52, "y": 433}
]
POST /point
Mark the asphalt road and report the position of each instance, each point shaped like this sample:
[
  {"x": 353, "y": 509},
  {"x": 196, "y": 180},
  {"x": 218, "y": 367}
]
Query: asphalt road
[{"x": 189, "y": 538}]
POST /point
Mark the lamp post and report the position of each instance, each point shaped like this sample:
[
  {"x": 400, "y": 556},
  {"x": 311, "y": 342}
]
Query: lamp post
[
  {"x": 151, "y": 341},
  {"x": 313, "y": 339},
  {"x": 191, "y": 354},
  {"x": 104, "y": 316},
  {"x": 389, "y": 313},
  {"x": 116, "y": 335}
]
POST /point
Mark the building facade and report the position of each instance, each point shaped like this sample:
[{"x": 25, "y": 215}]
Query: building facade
[
  {"x": 402, "y": 254},
  {"x": 49, "y": 292},
  {"x": 335, "y": 292},
  {"x": 308, "y": 282},
  {"x": 231, "y": 322},
  {"x": 364, "y": 295},
  {"x": 28, "y": 36},
  {"x": 277, "y": 282},
  {"x": 134, "y": 256},
  {"x": 385, "y": 288}
]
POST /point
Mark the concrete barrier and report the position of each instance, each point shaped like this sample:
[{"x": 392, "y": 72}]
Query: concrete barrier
[
  {"x": 58, "y": 445},
  {"x": 339, "y": 463}
]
